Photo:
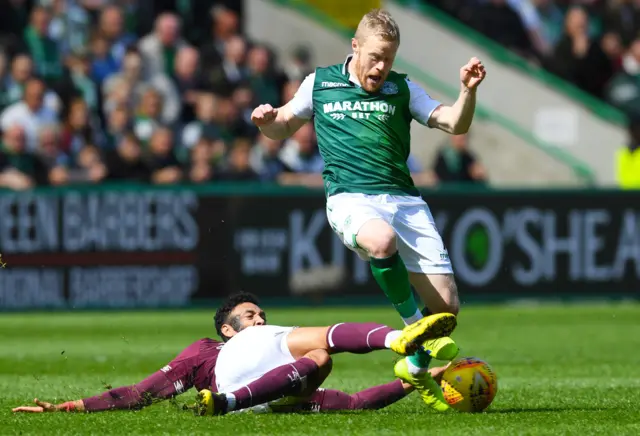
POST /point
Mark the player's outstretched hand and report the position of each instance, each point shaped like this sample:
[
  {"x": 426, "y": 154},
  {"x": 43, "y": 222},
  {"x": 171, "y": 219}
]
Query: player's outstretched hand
[
  {"x": 473, "y": 73},
  {"x": 264, "y": 115},
  {"x": 41, "y": 407}
]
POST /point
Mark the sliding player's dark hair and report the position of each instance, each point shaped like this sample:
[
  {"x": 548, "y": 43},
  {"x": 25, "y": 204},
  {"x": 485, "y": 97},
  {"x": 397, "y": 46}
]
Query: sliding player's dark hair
[{"x": 223, "y": 312}]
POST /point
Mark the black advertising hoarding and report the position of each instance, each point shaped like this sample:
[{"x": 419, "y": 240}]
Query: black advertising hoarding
[
  {"x": 149, "y": 247},
  {"x": 501, "y": 244},
  {"x": 98, "y": 248}
]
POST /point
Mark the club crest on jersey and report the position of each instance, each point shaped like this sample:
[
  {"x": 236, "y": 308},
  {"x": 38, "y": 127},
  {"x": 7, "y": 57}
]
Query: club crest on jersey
[{"x": 389, "y": 88}]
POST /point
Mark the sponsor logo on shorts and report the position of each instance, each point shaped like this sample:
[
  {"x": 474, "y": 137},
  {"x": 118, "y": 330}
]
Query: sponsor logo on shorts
[
  {"x": 444, "y": 255},
  {"x": 166, "y": 368}
]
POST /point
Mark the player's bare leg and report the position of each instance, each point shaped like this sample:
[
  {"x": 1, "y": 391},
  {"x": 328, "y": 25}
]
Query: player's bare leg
[{"x": 438, "y": 292}]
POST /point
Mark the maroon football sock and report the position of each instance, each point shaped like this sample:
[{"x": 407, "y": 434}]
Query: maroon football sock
[
  {"x": 283, "y": 381},
  {"x": 358, "y": 338},
  {"x": 376, "y": 397}
]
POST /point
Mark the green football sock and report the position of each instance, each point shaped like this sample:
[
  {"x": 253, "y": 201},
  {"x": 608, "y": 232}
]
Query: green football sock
[
  {"x": 421, "y": 359},
  {"x": 393, "y": 278}
]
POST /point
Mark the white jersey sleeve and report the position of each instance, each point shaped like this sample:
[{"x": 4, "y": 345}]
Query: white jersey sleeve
[
  {"x": 302, "y": 102},
  {"x": 421, "y": 104}
]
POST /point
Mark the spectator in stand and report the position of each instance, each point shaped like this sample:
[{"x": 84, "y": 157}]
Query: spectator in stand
[
  {"x": 188, "y": 80},
  {"x": 622, "y": 17},
  {"x": 118, "y": 123},
  {"x": 77, "y": 132},
  {"x": 533, "y": 25},
  {"x": 159, "y": 48},
  {"x": 456, "y": 163},
  {"x": 77, "y": 81},
  {"x": 579, "y": 58},
  {"x": 44, "y": 50},
  {"x": 244, "y": 100},
  {"x": 237, "y": 166},
  {"x": 231, "y": 68},
  {"x": 265, "y": 159},
  {"x": 204, "y": 126},
  {"x": 30, "y": 112},
  {"x": 225, "y": 26},
  {"x": 129, "y": 86},
  {"x": 111, "y": 30},
  {"x": 261, "y": 76},
  {"x": 87, "y": 166},
  {"x": 201, "y": 158},
  {"x": 49, "y": 152},
  {"x": 124, "y": 162},
  {"x": 623, "y": 90},
  {"x": 19, "y": 169},
  {"x": 70, "y": 25},
  {"x": 103, "y": 64},
  {"x": 13, "y": 84},
  {"x": 497, "y": 20},
  {"x": 160, "y": 158},
  {"x": 148, "y": 116},
  {"x": 551, "y": 21},
  {"x": 300, "y": 154}
]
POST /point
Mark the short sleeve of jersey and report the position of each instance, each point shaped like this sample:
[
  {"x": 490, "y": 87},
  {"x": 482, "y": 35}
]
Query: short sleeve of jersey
[
  {"x": 421, "y": 104},
  {"x": 302, "y": 103}
]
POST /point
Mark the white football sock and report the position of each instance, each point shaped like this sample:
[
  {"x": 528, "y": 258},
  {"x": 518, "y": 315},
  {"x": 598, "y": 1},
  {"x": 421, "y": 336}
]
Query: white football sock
[
  {"x": 415, "y": 317},
  {"x": 391, "y": 336},
  {"x": 413, "y": 369},
  {"x": 231, "y": 402}
]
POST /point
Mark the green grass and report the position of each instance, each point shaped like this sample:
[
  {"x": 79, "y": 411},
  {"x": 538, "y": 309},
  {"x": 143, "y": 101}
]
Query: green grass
[{"x": 561, "y": 370}]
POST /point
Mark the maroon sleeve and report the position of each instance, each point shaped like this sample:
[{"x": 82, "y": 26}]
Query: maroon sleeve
[{"x": 173, "y": 379}]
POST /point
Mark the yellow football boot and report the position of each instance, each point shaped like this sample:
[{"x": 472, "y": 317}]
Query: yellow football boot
[
  {"x": 426, "y": 386},
  {"x": 430, "y": 327},
  {"x": 441, "y": 348}
]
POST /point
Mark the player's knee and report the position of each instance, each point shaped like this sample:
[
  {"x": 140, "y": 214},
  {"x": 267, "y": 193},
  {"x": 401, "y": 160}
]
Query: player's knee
[
  {"x": 378, "y": 238},
  {"x": 321, "y": 358}
]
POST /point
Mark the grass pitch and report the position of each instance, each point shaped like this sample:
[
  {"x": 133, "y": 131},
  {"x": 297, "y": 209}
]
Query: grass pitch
[{"x": 561, "y": 370}]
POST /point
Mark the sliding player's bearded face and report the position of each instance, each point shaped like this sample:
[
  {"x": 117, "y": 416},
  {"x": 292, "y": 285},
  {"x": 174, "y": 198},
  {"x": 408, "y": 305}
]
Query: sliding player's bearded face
[
  {"x": 374, "y": 49},
  {"x": 242, "y": 316}
]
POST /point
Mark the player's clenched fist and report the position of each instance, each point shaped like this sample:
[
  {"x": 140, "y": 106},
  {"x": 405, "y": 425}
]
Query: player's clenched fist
[
  {"x": 264, "y": 115},
  {"x": 473, "y": 73}
]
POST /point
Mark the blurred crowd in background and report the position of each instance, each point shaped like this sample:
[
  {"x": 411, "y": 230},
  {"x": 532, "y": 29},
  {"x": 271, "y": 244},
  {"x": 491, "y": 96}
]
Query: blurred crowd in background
[
  {"x": 155, "y": 91},
  {"x": 594, "y": 44}
]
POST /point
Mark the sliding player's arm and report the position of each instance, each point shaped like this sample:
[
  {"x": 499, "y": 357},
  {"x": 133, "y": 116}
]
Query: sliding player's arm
[
  {"x": 457, "y": 118},
  {"x": 280, "y": 123},
  {"x": 170, "y": 381}
]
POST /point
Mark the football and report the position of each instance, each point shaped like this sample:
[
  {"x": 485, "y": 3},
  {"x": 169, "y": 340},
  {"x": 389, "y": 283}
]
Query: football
[{"x": 469, "y": 384}]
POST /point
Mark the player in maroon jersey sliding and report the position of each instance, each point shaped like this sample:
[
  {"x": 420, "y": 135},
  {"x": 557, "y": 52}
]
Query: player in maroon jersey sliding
[{"x": 265, "y": 376}]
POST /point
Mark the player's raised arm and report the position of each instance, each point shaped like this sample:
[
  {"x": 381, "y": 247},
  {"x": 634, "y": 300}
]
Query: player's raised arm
[
  {"x": 456, "y": 119},
  {"x": 280, "y": 123}
]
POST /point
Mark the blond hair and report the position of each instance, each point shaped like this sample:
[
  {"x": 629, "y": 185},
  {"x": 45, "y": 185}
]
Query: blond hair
[{"x": 380, "y": 23}]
